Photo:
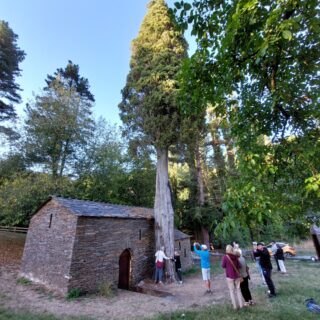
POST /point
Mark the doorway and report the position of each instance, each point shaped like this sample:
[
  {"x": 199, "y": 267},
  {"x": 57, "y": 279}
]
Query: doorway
[{"x": 124, "y": 269}]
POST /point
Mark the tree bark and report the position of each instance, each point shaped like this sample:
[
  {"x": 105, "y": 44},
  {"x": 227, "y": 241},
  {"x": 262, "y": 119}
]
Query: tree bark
[
  {"x": 201, "y": 193},
  {"x": 163, "y": 211}
]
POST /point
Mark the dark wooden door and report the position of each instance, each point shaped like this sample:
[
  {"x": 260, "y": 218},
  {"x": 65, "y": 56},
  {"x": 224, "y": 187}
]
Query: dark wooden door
[{"x": 124, "y": 269}]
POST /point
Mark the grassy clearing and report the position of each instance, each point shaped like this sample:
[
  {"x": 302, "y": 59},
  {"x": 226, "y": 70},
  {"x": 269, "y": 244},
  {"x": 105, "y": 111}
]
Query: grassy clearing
[
  {"x": 302, "y": 283},
  {"x": 13, "y": 315}
]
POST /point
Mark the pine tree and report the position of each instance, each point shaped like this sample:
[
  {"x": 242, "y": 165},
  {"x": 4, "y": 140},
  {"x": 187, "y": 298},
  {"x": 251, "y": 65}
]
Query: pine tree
[
  {"x": 10, "y": 57},
  {"x": 149, "y": 108},
  {"x": 59, "y": 121}
]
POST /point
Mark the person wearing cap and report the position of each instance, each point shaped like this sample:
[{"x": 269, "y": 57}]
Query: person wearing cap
[
  {"x": 205, "y": 264},
  {"x": 266, "y": 267},
  {"x": 160, "y": 256}
]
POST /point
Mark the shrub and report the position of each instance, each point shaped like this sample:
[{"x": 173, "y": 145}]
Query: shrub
[
  {"x": 106, "y": 290},
  {"x": 74, "y": 293},
  {"x": 24, "y": 281}
]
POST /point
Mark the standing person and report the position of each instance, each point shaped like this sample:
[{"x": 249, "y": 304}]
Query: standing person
[
  {"x": 232, "y": 265},
  {"x": 205, "y": 264},
  {"x": 257, "y": 261},
  {"x": 160, "y": 256},
  {"x": 274, "y": 249},
  {"x": 266, "y": 266},
  {"x": 177, "y": 264},
  {"x": 244, "y": 285},
  {"x": 280, "y": 258}
]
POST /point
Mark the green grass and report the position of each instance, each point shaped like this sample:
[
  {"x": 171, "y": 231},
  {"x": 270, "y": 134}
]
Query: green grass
[
  {"x": 23, "y": 281},
  {"x": 24, "y": 315},
  {"x": 302, "y": 283},
  {"x": 74, "y": 293}
]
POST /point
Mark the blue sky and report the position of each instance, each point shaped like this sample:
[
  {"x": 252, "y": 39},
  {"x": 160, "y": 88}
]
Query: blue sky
[{"x": 94, "y": 34}]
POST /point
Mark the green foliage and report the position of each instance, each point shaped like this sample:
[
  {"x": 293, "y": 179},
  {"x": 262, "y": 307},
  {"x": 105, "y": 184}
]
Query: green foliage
[
  {"x": 257, "y": 64},
  {"x": 107, "y": 173},
  {"x": 59, "y": 121},
  {"x": 11, "y": 56},
  {"x": 106, "y": 290},
  {"x": 11, "y": 165},
  {"x": 21, "y": 196},
  {"x": 149, "y": 109},
  {"x": 23, "y": 281},
  {"x": 74, "y": 293}
]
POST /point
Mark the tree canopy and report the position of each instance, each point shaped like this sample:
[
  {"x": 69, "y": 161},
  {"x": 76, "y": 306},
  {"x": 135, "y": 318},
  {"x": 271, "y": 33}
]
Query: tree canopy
[
  {"x": 148, "y": 109},
  {"x": 10, "y": 58},
  {"x": 59, "y": 121},
  {"x": 257, "y": 63}
]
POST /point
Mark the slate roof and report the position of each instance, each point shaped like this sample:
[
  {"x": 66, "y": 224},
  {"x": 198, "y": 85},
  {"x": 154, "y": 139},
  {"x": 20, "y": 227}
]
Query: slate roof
[
  {"x": 178, "y": 235},
  {"x": 86, "y": 208}
]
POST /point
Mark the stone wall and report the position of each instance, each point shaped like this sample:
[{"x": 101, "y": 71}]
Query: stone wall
[
  {"x": 184, "y": 247},
  {"x": 48, "y": 248},
  {"x": 98, "y": 245}
]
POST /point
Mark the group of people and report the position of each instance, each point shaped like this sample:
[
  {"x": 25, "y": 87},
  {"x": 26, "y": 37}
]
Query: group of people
[
  {"x": 160, "y": 257},
  {"x": 236, "y": 269}
]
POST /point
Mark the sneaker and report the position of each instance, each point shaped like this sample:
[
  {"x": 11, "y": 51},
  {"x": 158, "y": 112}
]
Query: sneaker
[
  {"x": 246, "y": 304},
  {"x": 251, "y": 303},
  {"x": 270, "y": 295},
  {"x": 180, "y": 282}
]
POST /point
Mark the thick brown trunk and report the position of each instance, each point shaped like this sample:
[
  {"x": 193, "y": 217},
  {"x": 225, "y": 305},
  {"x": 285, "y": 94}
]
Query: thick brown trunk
[
  {"x": 163, "y": 211},
  {"x": 205, "y": 236}
]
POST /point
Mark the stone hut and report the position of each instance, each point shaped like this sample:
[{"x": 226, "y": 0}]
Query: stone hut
[
  {"x": 83, "y": 244},
  {"x": 182, "y": 244}
]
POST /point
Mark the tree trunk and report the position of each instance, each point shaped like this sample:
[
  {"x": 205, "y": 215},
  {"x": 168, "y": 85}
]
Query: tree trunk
[
  {"x": 201, "y": 193},
  {"x": 163, "y": 211}
]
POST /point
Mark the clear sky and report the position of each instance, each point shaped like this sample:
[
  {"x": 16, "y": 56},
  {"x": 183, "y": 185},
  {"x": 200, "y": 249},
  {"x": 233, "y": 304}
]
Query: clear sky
[{"x": 94, "y": 34}]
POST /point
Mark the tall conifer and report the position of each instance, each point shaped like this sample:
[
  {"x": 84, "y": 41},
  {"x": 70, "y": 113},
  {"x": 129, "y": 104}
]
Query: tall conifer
[{"x": 149, "y": 108}]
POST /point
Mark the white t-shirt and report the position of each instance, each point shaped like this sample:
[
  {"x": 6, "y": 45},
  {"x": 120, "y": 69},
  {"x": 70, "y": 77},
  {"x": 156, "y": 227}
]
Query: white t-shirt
[{"x": 160, "y": 256}]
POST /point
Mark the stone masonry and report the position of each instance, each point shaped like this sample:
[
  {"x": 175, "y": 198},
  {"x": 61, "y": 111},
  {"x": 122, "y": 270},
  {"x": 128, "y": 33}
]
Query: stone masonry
[{"x": 77, "y": 244}]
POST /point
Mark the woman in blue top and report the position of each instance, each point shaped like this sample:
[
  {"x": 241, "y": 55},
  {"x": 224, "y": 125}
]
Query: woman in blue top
[{"x": 205, "y": 264}]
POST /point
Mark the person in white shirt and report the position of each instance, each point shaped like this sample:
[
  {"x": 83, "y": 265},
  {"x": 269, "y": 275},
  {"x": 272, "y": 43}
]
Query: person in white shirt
[{"x": 160, "y": 256}]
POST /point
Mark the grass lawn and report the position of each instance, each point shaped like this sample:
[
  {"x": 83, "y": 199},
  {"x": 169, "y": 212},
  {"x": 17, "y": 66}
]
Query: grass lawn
[
  {"x": 9, "y": 315},
  {"x": 302, "y": 283}
]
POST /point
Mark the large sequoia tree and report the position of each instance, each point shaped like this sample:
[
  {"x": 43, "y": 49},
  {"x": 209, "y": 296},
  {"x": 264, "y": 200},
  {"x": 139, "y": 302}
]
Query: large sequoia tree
[{"x": 149, "y": 108}]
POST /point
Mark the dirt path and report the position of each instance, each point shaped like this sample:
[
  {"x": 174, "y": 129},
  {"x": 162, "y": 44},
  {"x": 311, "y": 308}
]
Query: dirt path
[{"x": 125, "y": 305}]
